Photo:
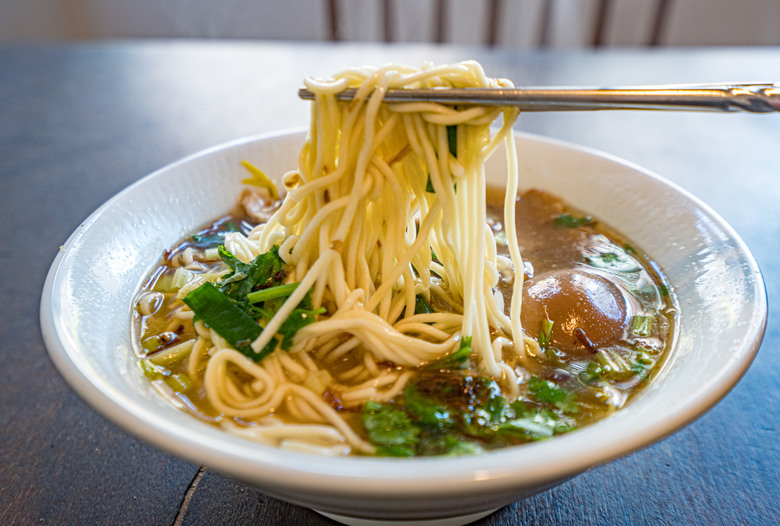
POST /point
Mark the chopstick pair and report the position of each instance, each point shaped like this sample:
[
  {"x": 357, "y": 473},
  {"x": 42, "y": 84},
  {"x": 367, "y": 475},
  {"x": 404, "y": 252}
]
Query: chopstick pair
[{"x": 740, "y": 97}]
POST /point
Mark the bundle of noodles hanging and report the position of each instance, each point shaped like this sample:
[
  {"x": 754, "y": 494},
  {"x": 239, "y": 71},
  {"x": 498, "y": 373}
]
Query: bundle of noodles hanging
[
  {"x": 389, "y": 204},
  {"x": 383, "y": 235},
  {"x": 386, "y": 211}
]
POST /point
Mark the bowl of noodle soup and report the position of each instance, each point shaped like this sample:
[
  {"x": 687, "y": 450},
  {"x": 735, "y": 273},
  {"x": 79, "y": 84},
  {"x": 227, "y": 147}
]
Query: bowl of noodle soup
[{"x": 94, "y": 282}]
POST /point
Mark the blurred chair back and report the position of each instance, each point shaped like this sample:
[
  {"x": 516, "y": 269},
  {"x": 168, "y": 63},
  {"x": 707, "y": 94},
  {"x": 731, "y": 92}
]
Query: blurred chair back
[
  {"x": 530, "y": 23},
  {"x": 504, "y": 23}
]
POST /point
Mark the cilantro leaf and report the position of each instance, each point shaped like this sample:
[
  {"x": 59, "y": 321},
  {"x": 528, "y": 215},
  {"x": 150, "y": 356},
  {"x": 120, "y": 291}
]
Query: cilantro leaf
[
  {"x": 548, "y": 392},
  {"x": 535, "y": 423},
  {"x": 424, "y": 409},
  {"x": 456, "y": 414},
  {"x": 389, "y": 426}
]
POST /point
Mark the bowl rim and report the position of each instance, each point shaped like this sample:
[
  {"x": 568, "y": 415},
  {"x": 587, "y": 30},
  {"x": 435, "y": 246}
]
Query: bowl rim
[{"x": 369, "y": 476}]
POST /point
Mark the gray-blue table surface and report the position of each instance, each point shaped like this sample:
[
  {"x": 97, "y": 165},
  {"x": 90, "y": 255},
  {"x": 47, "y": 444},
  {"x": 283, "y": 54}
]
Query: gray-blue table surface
[{"x": 80, "y": 123}]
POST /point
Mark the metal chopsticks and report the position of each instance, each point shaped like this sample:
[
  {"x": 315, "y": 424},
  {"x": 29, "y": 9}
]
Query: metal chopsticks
[{"x": 747, "y": 97}]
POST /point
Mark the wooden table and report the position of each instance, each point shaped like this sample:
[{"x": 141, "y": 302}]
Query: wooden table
[{"x": 78, "y": 124}]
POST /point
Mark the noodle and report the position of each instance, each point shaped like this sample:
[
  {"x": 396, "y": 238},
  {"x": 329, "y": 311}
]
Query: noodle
[
  {"x": 334, "y": 201},
  {"x": 359, "y": 229},
  {"x": 385, "y": 212}
]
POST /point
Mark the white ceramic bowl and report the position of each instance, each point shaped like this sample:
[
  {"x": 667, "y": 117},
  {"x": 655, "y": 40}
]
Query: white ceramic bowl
[{"x": 87, "y": 300}]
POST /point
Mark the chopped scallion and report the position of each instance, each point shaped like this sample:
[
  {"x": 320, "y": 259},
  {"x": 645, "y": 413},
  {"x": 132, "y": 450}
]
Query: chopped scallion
[
  {"x": 172, "y": 354},
  {"x": 545, "y": 332},
  {"x": 452, "y": 140},
  {"x": 150, "y": 370},
  {"x": 272, "y": 293},
  {"x": 173, "y": 281},
  {"x": 641, "y": 325},
  {"x": 179, "y": 382}
]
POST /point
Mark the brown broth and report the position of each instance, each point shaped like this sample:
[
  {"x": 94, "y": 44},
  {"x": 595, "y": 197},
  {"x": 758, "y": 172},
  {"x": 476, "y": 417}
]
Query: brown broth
[{"x": 600, "y": 367}]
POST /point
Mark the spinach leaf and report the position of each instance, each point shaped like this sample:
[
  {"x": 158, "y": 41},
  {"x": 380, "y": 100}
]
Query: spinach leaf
[
  {"x": 231, "y": 322},
  {"x": 213, "y": 236},
  {"x": 251, "y": 291}
]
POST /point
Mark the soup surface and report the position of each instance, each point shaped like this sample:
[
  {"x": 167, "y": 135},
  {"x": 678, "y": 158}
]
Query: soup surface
[{"x": 598, "y": 315}]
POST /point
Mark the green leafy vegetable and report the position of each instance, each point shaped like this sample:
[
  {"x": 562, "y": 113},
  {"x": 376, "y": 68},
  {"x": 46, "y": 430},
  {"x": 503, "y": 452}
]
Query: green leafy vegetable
[
  {"x": 571, "y": 221},
  {"x": 535, "y": 423},
  {"x": 641, "y": 325},
  {"x": 642, "y": 365},
  {"x": 611, "y": 366},
  {"x": 452, "y": 140},
  {"x": 213, "y": 237},
  {"x": 421, "y": 305},
  {"x": 272, "y": 293},
  {"x": 389, "y": 426},
  {"x": 445, "y": 415},
  {"x": 425, "y": 410},
  {"x": 456, "y": 359},
  {"x": 545, "y": 332},
  {"x": 256, "y": 291},
  {"x": 265, "y": 271},
  {"x": 231, "y": 322},
  {"x": 297, "y": 319},
  {"x": 549, "y": 392},
  {"x": 447, "y": 445}
]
